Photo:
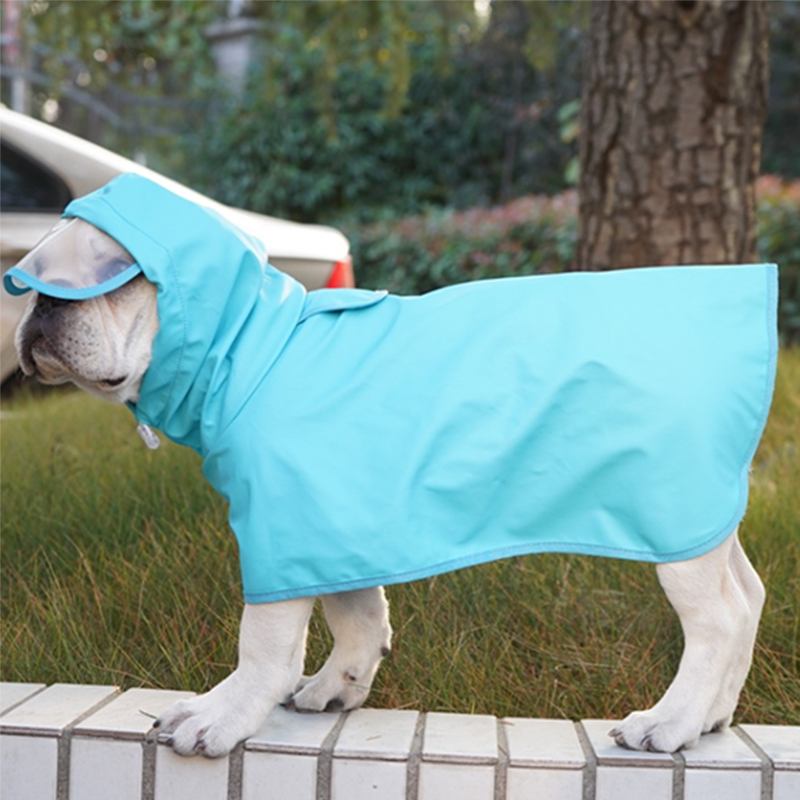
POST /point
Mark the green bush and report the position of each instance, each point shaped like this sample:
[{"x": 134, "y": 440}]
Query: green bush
[
  {"x": 779, "y": 241},
  {"x": 537, "y": 235},
  {"x": 315, "y": 143},
  {"x": 527, "y": 236}
]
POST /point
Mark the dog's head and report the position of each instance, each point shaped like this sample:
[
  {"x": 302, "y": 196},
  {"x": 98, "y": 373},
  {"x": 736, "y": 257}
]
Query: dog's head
[{"x": 103, "y": 343}]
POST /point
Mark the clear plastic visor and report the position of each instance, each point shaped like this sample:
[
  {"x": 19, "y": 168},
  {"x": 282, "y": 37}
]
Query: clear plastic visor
[{"x": 74, "y": 261}]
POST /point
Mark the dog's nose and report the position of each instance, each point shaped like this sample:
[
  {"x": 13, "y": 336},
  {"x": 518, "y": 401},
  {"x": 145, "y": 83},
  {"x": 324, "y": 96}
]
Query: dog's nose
[{"x": 45, "y": 305}]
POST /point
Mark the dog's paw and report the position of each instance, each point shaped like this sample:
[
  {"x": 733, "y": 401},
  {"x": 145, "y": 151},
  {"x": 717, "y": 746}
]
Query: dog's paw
[
  {"x": 202, "y": 726},
  {"x": 330, "y": 690},
  {"x": 648, "y": 730}
]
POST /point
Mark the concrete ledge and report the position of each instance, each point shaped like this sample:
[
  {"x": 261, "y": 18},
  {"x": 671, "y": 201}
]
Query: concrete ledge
[{"x": 71, "y": 742}]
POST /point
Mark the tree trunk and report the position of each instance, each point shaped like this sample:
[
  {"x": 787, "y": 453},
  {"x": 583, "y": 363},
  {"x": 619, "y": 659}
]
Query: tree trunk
[{"x": 673, "y": 107}]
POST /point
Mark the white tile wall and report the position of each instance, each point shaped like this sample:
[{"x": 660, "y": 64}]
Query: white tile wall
[
  {"x": 721, "y": 751},
  {"x": 722, "y": 765},
  {"x": 627, "y": 773},
  {"x": 12, "y": 694},
  {"x": 28, "y": 767},
  {"x": 289, "y": 732},
  {"x": 547, "y": 784},
  {"x": 129, "y": 715},
  {"x": 106, "y": 756},
  {"x": 543, "y": 743},
  {"x": 189, "y": 778},
  {"x": 370, "y": 758},
  {"x": 633, "y": 783},
  {"x": 701, "y": 784},
  {"x": 362, "y": 779},
  {"x": 460, "y": 739},
  {"x": 105, "y": 768},
  {"x": 275, "y": 776},
  {"x": 786, "y": 786},
  {"x": 376, "y": 733},
  {"x": 280, "y": 761},
  {"x": 459, "y": 781},
  {"x": 545, "y": 759},
  {"x": 782, "y": 746},
  {"x": 30, "y": 731},
  {"x": 459, "y": 757},
  {"x": 53, "y": 709},
  {"x": 780, "y": 743},
  {"x": 92, "y": 743}
]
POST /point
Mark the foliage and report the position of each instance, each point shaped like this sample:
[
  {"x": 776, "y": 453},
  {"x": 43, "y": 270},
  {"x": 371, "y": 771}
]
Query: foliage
[
  {"x": 378, "y": 35},
  {"x": 479, "y": 120},
  {"x": 154, "y": 45},
  {"x": 779, "y": 242},
  {"x": 537, "y": 234},
  {"x": 355, "y": 109},
  {"x": 117, "y": 71},
  {"x": 415, "y": 255},
  {"x": 780, "y": 152}
]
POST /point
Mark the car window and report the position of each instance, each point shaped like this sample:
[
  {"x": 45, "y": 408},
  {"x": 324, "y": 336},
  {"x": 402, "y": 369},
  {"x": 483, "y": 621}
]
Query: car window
[{"x": 28, "y": 186}]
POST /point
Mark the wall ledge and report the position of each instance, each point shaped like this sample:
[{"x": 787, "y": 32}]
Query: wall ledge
[{"x": 75, "y": 742}]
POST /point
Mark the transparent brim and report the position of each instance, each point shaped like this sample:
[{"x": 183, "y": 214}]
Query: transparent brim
[{"x": 74, "y": 261}]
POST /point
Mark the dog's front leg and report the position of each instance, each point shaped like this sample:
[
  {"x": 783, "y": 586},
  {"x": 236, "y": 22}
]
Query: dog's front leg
[
  {"x": 362, "y": 636},
  {"x": 271, "y": 649}
]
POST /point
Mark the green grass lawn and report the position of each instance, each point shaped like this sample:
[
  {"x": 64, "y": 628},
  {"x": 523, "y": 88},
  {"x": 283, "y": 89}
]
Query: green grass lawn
[{"x": 118, "y": 567}]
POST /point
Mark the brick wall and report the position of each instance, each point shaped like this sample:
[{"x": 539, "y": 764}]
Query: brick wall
[{"x": 71, "y": 742}]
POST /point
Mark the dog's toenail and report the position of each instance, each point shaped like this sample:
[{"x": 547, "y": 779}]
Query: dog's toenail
[{"x": 620, "y": 740}]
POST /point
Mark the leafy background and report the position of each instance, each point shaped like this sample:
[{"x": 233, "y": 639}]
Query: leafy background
[{"x": 427, "y": 132}]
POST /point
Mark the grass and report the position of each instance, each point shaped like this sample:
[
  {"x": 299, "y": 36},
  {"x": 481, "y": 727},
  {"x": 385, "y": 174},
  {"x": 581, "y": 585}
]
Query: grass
[{"x": 118, "y": 568}]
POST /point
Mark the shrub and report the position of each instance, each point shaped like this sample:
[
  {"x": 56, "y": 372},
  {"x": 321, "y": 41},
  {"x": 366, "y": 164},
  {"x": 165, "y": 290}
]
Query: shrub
[
  {"x": 537, "y": 235},
  {"x": 527, "y": 236},
  {"x": 779, "y": 241}
]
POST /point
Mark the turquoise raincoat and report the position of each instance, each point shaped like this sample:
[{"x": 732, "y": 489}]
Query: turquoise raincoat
[{"x": 364, "y": 439}]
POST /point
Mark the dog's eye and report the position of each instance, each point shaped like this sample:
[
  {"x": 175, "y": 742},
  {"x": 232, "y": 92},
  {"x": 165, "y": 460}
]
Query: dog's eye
[{"x": 112, "y": 382}]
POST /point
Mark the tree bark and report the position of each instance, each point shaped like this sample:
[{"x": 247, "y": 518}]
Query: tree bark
[{"x": 672, "y": 113}]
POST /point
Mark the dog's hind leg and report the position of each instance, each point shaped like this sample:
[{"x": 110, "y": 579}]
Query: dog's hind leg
[
  {"x": 718, "y": 598},
  {"x": 359, "y": 621},
  {"x": 752, "y": 588},
  {"x": 271, "y": 649}
]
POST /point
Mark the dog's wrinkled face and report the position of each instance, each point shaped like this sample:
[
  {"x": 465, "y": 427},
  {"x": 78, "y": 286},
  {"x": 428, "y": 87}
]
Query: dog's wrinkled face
[{"x": 103, "y": 344}]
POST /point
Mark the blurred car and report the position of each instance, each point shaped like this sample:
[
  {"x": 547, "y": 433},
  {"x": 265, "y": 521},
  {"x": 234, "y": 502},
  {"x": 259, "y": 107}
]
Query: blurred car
[{"x": 44, "y": 168}]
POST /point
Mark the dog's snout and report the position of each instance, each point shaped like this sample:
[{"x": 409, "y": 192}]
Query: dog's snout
[{"x": 45, "y": 305}]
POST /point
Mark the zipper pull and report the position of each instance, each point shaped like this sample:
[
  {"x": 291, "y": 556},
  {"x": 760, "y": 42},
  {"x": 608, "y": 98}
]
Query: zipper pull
[{"x": 148, "y": 435}]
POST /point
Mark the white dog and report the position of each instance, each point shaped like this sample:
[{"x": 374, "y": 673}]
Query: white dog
[{"x": 104, "y": 344}]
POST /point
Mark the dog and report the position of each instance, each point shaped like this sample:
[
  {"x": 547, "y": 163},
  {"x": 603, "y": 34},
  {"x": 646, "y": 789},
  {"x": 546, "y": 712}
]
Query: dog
[{"x": 105, "y": 345}]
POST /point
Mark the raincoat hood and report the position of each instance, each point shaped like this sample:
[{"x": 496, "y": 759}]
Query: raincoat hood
[
  {"x": 210, "y": 277},
  {"x": 364, "y": 439},
  {"x": 217, "y": 297}
]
